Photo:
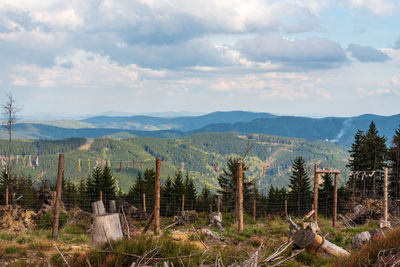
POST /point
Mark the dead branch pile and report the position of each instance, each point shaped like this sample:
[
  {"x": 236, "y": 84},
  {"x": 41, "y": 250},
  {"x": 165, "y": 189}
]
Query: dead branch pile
[
  {"x": 369, "y": 209},
  {"x": 14, "y": 218},
  {"x": 215, "y": 219},
  {"x": 186, "y": 217},
  {"x": 133, "y": 212}
]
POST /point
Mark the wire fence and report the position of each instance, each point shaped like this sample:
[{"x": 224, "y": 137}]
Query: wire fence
[{"x": 362, "y": 185}]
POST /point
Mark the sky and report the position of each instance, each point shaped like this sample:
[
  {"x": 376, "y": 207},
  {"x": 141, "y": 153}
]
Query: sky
[{"x": 294, "y": 57}]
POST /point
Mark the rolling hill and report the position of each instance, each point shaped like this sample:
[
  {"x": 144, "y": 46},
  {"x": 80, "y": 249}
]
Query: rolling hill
[{"x": 198, "y": 152}]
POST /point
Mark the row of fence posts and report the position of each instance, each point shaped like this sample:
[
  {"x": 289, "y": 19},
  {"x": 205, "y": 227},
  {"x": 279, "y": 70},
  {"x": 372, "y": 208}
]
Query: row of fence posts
[{"x": 239, "y": 199}]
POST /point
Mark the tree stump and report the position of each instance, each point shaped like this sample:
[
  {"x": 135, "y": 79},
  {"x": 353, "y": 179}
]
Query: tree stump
[
  {"x": 113, "y": 206},
  {"x": 98, "y": 208},
  {"x": 105, "y": 228}
]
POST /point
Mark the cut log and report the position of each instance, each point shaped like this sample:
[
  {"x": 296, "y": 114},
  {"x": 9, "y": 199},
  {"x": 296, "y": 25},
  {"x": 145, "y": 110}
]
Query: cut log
[
  {"x": 113, "y": 206},
  {"x": 215, "y": 218},
  {"x": 106, "y": 227},
  {"x": 305, "y": 238},
  {"x": 98, "y": 208}
]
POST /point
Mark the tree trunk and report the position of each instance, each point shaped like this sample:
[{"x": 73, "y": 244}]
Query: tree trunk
[
  {"x": 105, "y": 228},
  {"x": 98, "y": 208},
  {"x": 113, "y": 206}
]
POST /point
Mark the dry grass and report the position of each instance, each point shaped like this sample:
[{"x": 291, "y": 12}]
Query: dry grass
[{"x": 368, "y": 255}]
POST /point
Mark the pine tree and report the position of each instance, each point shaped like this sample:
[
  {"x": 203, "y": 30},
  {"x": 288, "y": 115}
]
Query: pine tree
[
  {"x": 108, "y": 185},
  {"x": 135, "y": 194},
  {"x": 368, "y": 154},
  {"x": 179, "y": 190},
  {"x": 394, "y": 157},
  {"x": 325, "y": 195},
  {"x": 205, "y": 200},
  {"x": 149, "y": 185},
  {"x": 228, "y": 185},
  {"x": 94, "y": 185},
  {"x": 82, "y": 192},
  {"x": 190, "y": 192},
  {"x": 167, "y": 197},
  {"x": 300, "y": 188}
]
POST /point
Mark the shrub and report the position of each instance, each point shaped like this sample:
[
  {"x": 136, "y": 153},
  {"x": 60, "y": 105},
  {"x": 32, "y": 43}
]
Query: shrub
[{"x": 46, "y": 220}]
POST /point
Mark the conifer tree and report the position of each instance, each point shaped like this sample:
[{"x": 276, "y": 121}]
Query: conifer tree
[
  {"x": 149, "y": 185},
  {"x": 82, "y": 192},
  {"x": 190, "y": 192},
  {"x": 394, "y": 157},
  {"x": 108, "y": 185},
  {"x": 167, "y": 197},
  {"x": 94, "y": 185},
  {"x": 228, "y": 185},
  {"x": 300, "y": 188},
  {"x": 136, "y": 192},
  {"x": 205, "y": 200},
  {"x": 325, "y": 195},
  {"x": 179, "y": 190}
]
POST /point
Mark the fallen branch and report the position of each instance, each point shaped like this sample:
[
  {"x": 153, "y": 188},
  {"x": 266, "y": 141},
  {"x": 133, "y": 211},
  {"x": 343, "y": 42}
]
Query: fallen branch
[
  {"x": 149, "y": 221},
  {"x": 198, "y": 236},
  {"x": 126, "y": 221},
  {"x": 62, "y": 256},
  {"x": 288, "y": 258}
]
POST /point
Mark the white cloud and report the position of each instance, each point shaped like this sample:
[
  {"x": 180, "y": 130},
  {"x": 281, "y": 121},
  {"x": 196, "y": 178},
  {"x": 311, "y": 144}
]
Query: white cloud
[{"x": 376, "y": 7}]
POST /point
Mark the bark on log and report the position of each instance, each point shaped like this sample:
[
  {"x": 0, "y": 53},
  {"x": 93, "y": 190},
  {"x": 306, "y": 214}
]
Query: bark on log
[
  {"x": 113, "y": 206},
  {"x": 305, "y": 238},
  {"x": 106, "y": 227},
  {"x": 98, "y": 208}
]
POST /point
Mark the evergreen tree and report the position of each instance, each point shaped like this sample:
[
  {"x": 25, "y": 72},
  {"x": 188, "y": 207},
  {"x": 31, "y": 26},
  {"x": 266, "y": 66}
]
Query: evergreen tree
[
  {"x": 228, "y": 185},
  {"x": 167, "y": 197},
  {"x": 70, "y": 194},
  {"x": 149, "y": 185},
  {"x": 325, "y": 195},
  {"x": 108, "y": 185},
  {"x": 24, "y": 188},
  {"x": 276, "y": 200},
  {"x": 190, "y": 192},
  {"x": 368, "y": 154},
  {"x": 135, "y": 194},
  {"x": 94, "y": 185},
  {"x": 300, "y": 189},
  {"x": 394, "y": 157},
  {"x": 179, "y": 190},
  {"x": 82, "y": 192},
  {"x": 205, "y": 200}
]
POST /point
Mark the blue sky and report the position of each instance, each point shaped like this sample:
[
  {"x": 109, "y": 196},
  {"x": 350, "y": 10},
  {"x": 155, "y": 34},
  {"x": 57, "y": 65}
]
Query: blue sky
[{"x": 298, "y": 57}]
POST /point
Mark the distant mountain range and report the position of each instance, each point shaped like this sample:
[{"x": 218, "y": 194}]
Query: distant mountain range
[{"x": 335, "y": 129}]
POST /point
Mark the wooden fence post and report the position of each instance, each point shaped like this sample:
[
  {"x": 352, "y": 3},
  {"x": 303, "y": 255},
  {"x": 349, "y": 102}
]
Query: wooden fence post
[
  {"x": 240, "y": 195},
  {"x": 335, "y": 201},
  {"x": 144, "y": 203},
  {"x": 157, "y": 198},
  {"x": 254, "y": 210},
  {"x": 219, "y": 204},
  {"x": 7, "y": 196},
  {"x": 101, "y": 195},
  {"x": 315, "y": 192},
  {"x": 58, "y": 196},
  {"x": 385, "y": 195},
  {"x": 286, "y": 214},
  {"x": 183, "y": 203}
]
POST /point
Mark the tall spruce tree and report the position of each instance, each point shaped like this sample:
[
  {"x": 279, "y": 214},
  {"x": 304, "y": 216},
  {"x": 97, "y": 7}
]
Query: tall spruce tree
[
  {"x": 394, "y": 158},
  {"x": 149, "y": 178},
  {"x": 190, "y": 192},
  {"x": 228, "y": 185},
  {"x": 135, "y": 194},
  {"x": 325, "y": 196},
  {"x": 205, "y": 200},
  {"x": 368, "y": 154},
  {"x": 108, "y": 185},
  {"x": 167, "y": 197},
  {"x": 179, "y": 190},
  {"x": 300, "y": 189}
]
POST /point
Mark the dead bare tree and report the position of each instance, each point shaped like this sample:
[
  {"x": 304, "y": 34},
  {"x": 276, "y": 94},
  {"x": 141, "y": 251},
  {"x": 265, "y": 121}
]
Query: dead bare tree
[{"x": 9, "y": 111}]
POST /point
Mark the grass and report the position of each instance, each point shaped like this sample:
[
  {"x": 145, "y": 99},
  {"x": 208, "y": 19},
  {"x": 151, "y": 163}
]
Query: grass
[
  {"x": 368, "y": 255},
  {"x": 74, "y": 242}
]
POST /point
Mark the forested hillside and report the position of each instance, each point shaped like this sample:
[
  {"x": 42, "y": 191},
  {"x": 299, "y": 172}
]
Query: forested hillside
[{"x": 199, "y": 154}]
